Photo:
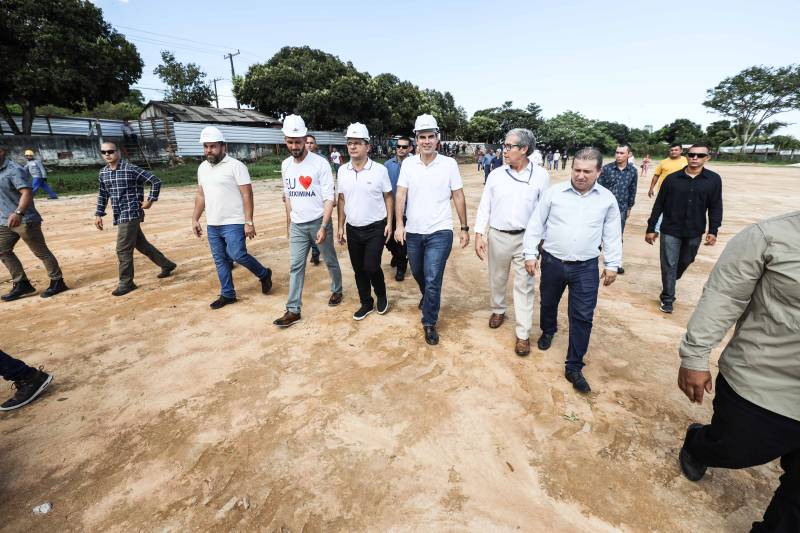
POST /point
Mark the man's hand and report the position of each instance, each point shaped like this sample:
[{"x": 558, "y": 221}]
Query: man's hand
[
  {"x": 650, "y": 238},
  {"x": 341, "y": 236},
  {"x": 609, "y": 277},
  {"x": 14, "y": 220},
  {"x": 322, "y": 232},
  {"x": 400, "y": 233},
  {"x": 480, "y": 246},
  {"x": 197, "y": 228},
  {"x": 146, "y": 204},
  {"x": 651, "y": 192},
  {"x": 694, "y": 382},
  {"x": 249, "y": 231},
  {"x": 387, "y": 233},
  {"x": 98, "y": 223},
  {"x": 711, "y": 240},
  {"x": 464, "y": 238},
  {"x": 532, "y": 266}
]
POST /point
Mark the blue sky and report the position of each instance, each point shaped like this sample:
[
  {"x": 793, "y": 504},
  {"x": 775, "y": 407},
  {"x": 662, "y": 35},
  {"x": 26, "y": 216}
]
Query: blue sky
[{"x": 633, "y": 62}]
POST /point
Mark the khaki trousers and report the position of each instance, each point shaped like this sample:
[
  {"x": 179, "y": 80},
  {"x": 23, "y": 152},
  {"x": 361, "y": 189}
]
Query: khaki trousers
[
  {"x": 32, "y": 235},
  {"x": 130, "y": 237},
  {"x": 505, "y": 251}
]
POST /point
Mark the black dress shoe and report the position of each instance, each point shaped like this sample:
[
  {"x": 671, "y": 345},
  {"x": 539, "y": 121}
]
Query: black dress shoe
[
  {"x": 420, "y": 303},
  {"x": 393, "y": 262},
  {"x": 56, "y": 286},
  {"x": 431, "y": 336},
  {"x": 691, "y": 468},
  {"x": 266, "y": 282},
  {"x": 314, "y": 259},
  {"x": 400, "y": 275},
  {"x": 18, "y": 290},
  {"x": 122, "y": 291},
  {"x": 620, "y": 271},
  {"x": 221, "y": 302},
  {"x": 166, "y": 271},
  {"x": 579, "y": 382},
  {"x": 544, "y": 341}
]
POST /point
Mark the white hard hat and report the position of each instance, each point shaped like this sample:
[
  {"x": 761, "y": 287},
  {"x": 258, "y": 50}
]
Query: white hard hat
[
  {"x": 357, "y": 131},
  {"x": 425, "y": 122},
  {"x": 211, "y": 134},
  {"x": 293, "y": 126}
]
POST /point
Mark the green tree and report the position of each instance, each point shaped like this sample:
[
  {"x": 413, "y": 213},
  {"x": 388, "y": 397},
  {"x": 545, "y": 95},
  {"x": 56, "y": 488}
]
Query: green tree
[
  {"x": 785, "y": 142},
  {"x": 754, "y": 95},
  {"x": 571, "y": 131},
  {"x": 510, "y": 117},
  {"x": 396, "y": 105},
  {"x": 483, "y": 129},
  {"x": 346, "y": 99},
  {"x": 61, "y": 52},
  {"x": 682, "y": 131},
  {"x": 720, "y": 133},
  {"x": 187, "y": 83},
  {"x": 452, "y": 119},
  {"x": 619, "y": 132}
]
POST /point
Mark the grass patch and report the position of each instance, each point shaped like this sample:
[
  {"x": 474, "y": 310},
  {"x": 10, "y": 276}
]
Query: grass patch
[{"x": 84, "y": 180}]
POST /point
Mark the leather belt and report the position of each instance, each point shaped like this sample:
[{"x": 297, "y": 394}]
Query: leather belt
[{"x": 510, "y": 231}]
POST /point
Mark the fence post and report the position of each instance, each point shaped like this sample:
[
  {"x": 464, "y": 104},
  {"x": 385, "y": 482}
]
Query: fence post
[{"x": 49, "y": 126}]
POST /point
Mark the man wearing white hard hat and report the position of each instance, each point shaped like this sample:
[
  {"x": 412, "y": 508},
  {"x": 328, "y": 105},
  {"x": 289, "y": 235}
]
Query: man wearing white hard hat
[
  {"x": 429, "y": 180},
  {"x": 225, "y": 193},
  {"x": 38, "y": 175},
  {"x": 123, "y": 184},
  {"x": 365, "y": 218},
  {"x": 308, "y": 189}
]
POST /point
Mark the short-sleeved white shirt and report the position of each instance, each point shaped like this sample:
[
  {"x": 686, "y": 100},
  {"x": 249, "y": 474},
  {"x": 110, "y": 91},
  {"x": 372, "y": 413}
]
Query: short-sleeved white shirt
[
  {"x": 220, "y": 184},
  {"x": 429, "y": 190},
  {"x": 336, "y": 157},
  {"x": 307, "y": 185},
  {"x": 363, "y": 192}
]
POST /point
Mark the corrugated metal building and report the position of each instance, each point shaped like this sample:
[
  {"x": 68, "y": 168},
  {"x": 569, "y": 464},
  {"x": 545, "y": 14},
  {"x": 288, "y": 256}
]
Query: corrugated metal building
[{"x": 208, "y": 115}]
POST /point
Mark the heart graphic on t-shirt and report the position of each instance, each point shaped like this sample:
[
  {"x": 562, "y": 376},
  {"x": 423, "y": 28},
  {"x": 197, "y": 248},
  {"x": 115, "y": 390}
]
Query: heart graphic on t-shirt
[{"x": 305, "y": 181}]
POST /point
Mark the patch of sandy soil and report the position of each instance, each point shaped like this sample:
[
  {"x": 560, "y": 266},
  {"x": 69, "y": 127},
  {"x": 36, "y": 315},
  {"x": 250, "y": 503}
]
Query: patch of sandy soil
[{"x": 165, "y": 415}]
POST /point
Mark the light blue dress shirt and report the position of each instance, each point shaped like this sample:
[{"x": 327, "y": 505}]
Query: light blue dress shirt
[{"x": 573, "y": 225}]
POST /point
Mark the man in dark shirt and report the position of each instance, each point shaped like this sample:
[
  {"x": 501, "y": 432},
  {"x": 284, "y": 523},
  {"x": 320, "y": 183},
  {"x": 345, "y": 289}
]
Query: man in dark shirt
[
  {"x": 684, "y": 199},
  {"x": 621, "y": 178}
]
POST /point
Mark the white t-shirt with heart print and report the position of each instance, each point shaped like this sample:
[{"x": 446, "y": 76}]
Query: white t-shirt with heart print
[{"x": 307, "y": 185}]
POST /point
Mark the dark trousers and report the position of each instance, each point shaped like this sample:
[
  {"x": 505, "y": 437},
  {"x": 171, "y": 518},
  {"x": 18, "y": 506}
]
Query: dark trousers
[
  {"x": 130, "y": 236},
  {"x": 741, "y": 435},
  {"x": 676, "y": 255},
  {"x": 427, "y": 256},
  {"x": 13, "y": 369},
  {"x": 399, "y": 251},
  {"x": 583, "y": 280},
  {"x": 365, "y": 246}
]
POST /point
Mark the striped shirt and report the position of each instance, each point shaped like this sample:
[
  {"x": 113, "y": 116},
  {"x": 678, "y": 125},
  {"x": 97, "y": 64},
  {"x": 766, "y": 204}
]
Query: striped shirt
[{"x": 125, "y": 188}]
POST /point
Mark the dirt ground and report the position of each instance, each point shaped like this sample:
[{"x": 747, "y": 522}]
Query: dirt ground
[{"x": 165, "y": 415}]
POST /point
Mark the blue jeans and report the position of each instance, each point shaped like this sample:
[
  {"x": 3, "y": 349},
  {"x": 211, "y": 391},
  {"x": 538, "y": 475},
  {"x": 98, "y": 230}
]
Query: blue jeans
[
  {"x": 583, "y": 280},
  {"x": 301, "y": 237},
  {"x": 12, "y": 369},
  {"x": 227, "y": 244},
  {"x": 39, "y": 183},
  {"x": 427, "y": 257}
]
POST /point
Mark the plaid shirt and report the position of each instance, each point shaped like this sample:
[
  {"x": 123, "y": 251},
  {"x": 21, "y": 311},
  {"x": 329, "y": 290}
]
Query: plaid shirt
[
  {"x": 125, "y": 188},
  {"x": 621, "y": 183}
]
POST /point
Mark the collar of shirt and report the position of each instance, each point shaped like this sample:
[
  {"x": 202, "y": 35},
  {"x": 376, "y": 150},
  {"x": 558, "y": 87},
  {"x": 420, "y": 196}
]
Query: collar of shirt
[
  {"x": 436, "y": 160},
  {"x": 524, "y": 175},
  {"x": 121, "y": 165},
  {"x": 225, "y": 159},
  {"x": 367, "y": 166},
  {"x": 567, "y": 186},
  {"x": 705, "y": 173}
]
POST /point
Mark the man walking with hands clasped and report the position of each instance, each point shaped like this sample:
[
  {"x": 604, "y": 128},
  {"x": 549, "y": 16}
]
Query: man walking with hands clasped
[
  {"x": 365, "y": 218},
  {"x": 225, "y": 193}
]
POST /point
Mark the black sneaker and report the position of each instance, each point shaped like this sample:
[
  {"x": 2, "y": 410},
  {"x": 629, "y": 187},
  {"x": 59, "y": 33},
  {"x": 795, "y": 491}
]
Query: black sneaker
[
  {"x": 691, "y": 468},
  {"x": 18, "y": 290},
  {"x": 431, "y": 335},
  {"x": 665, "y": 308},
  {"x": 122, "y": 291},
  {"x": 420, "y": 303},
  {"x": 27, "y": 390},
  {"x": 266, "y": 282},
  {"x": 56, "y": 286},
  {"x": 363, "y": 311},
  {"x": 400, "y": 275},
  {"x": 393, "y": 262},
  {"x": 544, "y": 341},
  {"x": 383, "y": 305},
  {"x": 579, "y": 382},
  {"x": 315, "y": 259},
  {"x": 166, "y": 271},
  {"x": 221, "y": 302},
  {"x": 620, "y": 271}
]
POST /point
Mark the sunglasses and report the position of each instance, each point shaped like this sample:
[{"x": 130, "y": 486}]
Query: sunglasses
[
  {"x": 108, "y": 152},
  {"x": 403, "y": 146},
  {"x": 697, "y": 155}
]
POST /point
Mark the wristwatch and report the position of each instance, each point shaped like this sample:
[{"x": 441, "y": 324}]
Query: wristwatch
[
  {"x": 249, "y": 222},
  {"x": 18, "y": 212},
  {"x": 464, "y": 228}
]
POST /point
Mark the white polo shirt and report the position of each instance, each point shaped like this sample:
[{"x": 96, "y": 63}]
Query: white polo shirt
[
  {"x": 363, "y": 192},
  {"x": 429, "y": 190},
  {"x": 307, "y": 185},
  {"x": 220, "y": 184},
  {"x": 509, "y": 197}
]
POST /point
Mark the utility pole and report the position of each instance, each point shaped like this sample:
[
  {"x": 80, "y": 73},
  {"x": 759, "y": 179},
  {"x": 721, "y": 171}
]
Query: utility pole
[
  {"x": 233, "y": 73},
  {"x": 216, "y": 95}
]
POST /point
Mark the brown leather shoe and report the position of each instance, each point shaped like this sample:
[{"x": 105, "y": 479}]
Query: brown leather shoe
[
  {"x": 523, "y": 347},
  {"x": 287, "y": 319},
  {"x": 495, "y": 321},
  {"x": 336, "y": 299}
]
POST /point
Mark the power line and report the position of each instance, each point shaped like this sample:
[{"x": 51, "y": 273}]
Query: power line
[{"x": 172, "y": 37}]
